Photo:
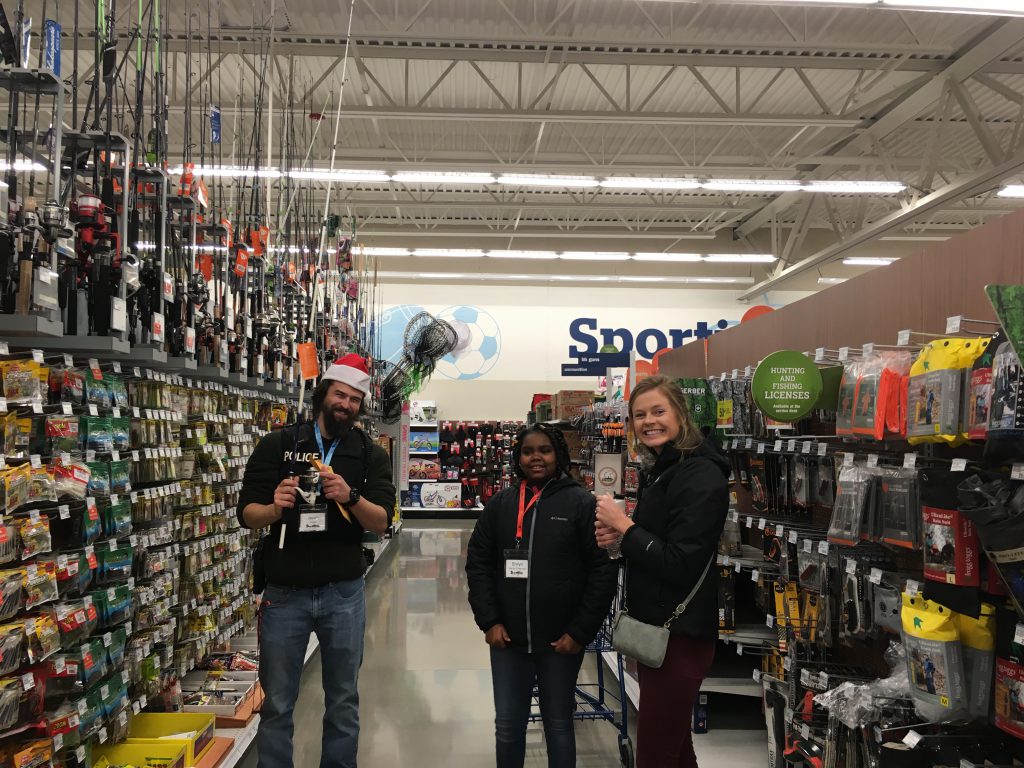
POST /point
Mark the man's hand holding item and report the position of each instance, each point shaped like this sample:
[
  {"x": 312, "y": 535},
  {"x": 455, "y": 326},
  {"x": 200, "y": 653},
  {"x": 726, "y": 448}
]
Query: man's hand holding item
[
  {"x": 335, "y": 487},
  {"x": 497, "y": 636}
]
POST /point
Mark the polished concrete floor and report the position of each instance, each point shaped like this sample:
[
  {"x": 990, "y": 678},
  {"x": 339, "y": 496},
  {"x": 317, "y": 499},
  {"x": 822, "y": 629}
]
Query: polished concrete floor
[{"x": 425, "y": 686}]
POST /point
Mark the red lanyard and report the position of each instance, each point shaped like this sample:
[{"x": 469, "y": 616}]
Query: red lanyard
[{"x": 524, "y": 508}]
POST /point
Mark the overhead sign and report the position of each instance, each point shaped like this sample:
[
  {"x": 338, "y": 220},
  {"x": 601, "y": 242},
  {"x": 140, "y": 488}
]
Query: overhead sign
[
  {"x": 596, "y": 364},
  {"x": 787, "y": 385}
]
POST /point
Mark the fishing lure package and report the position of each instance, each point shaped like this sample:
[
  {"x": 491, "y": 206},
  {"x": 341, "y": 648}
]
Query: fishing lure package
[
  {"x": 62, "y": 434},
  {"x": 21, "y": 382},
  {"x": 16, "y": 486},
  {"x": 77, "y": 620},
  {"x": 91, "y": 661},
  {"x": 10, "y": 702},
  {"x": 118, "y": 391},
  {"x": 72, "y": 385},
  {"x": 12, "y": 594},
  {"x": 117, "y": 519},
  {"x": 71, "y": 479},
  {"x": 41, "y": 487},
  {"x": 96, "y": 434},
  {"x": 13, "y": 643},
  {"x": 10, "y": 542},
  {"x": 74, "y": 576},
  {"x": 115, "y": 565},
  {"x": 40, "y": 584},
  {"x": 931, "y": 636},
  {"x": 97, "y": 392},
  {"x": 120, "y": 476},
  {"x": 43, "y": 637},
  {"x": 34, "y": 534},
  {"x": 99, "y": 478},
  {"x": 120, "y": 433}
]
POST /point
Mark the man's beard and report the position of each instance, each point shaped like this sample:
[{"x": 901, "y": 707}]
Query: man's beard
[{"x": 336, "y": 422}]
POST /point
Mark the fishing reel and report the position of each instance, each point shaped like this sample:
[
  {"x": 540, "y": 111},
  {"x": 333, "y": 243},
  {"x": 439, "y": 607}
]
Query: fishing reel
[
  {"x": 130, "y": 273},
  {"x": 53, "y": 222},
  {"x": 87, "y": 211},
  {"x": 198, "y": 291}
]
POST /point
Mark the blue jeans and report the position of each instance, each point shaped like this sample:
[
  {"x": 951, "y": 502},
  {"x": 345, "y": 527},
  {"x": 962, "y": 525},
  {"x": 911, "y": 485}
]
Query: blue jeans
[
  {"x": 513, "y": 673},
  {"x": 337, "y": 614}
]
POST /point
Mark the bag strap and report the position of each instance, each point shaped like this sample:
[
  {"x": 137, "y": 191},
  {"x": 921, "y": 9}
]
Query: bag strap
[{"x": 683, "y": 605}]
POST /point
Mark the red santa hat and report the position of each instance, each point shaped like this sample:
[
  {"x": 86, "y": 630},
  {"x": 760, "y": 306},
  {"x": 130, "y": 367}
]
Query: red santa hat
[{"x": 352, "y": 370}]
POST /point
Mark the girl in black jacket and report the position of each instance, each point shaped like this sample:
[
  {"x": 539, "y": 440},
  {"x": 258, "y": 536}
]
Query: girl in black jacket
[
  {"x": 539, "y": 587},
  {"x": 668, "y": 545}
]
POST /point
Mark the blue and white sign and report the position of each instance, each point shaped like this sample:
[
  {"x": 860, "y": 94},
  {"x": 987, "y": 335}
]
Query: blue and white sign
[
  {"x": 215, "y": 125},
  {"x": 51, "y": 46}
]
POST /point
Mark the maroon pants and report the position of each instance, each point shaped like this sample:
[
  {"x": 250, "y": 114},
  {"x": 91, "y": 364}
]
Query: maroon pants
[{"x": 664, "y": 739}]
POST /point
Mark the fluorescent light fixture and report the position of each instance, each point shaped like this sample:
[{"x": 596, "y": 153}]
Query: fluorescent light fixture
[
  {"x": 386, "y": 252},
  {"x": 636, "y": 279},
  {"x": 867, "y": 261},
  {"x": 543, "y": 180},
  {"x": 541, "y": 278},
  {"x": 441, "y": 275},
  {"x": 751, "y": 185},
  {"x": 831, "y": 280},
  {"x": 626, "y": 182},
  {"x": 856, "y": 187},
  {"x": 1012, "y": 190},
  {"x": 430, "y": 177},
  {"x": 522, "y": 255},
  {"x": 985, "y": 7},
  {"x": 917, "y": 238},
  {"x": 342, "y": 175},
  {"x": 593, "y": 256},
  {"x": 674, "y": 258},
  {"x": 22, "y": 166},
  {"x": 740, "y": 258},
  {"x": 449, "y": 253},
  {"x": 229, "y": 171}
]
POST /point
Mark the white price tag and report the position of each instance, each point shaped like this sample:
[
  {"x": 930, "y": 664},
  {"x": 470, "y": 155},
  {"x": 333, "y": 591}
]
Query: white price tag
[
  {"x": 37, "y": 407},
  {"x": 750, "y": 444},
  {"x": 1018, "y": 634},
  {"x": 808, "y": 545},
  {"x": 851, "y": 567},
  {"x": 761, "y": 524},
  {"x": 876, "y": 576},
  {"x": 65, "y": 408},
  {"x": 734, "y": 516},
  {"x": 35, "y": 460},
  {"x": 819, "y": 354},
  {"x": 37, "y": 355},
  {"x": 913, "y": 588},
  {"x": 757, "y": 675},
  {"x": 28, "y": 681},
  {"x": 5, "y": 348},
  {"x": 737, "y": 566},
  {"x": 80, "y": 755},
  {"x": 805, "y": 731},
  {"x": 93, "y": 410},
  {"x": 844, "y": 354},
  {"x": 58, "y": 742},
  {"x": 848, "y": 459},
  {"x": 807, "y": 446},
  {"x": 116, "y": 366},
  {"x": 959, "y": 465},
  {"x": 872, "y": 459},
  {"x": 769, "y": 621},
  {"x": 954, "y": 323},
  {"x": 791, "y": 445},
  {"x": 750, "y": 522},
  {"x": 909, "y": 460},
  {"x": 793, "y": 537},
  {"x": 867, "y": 349},
  {"x": 913, "y": 738},
  {"x": 778, "y": 446},
  {"x": 903, "y": 338},
  {"x": 739, "y": 649},
  {"x": 822, "y": 449},
  {"x": 755, "y": 575},
  {"x": 822, "y": 547},
  {"x": 1017, "y": 473},
  {"x": 760, "y": 448}
]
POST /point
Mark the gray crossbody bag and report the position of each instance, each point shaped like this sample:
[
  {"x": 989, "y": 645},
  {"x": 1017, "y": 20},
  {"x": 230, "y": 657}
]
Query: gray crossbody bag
[{"x": 644, "y": 642}]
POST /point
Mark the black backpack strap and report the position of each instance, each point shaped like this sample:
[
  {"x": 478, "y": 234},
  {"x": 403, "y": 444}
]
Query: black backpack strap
[{"x": 367, "y": 446}]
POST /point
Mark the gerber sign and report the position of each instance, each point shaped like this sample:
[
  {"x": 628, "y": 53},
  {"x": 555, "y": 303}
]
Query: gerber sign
[{"x": 592, "y": 355}]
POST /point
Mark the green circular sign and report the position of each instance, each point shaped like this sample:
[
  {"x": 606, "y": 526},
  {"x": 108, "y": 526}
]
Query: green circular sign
[{"x": 787, "y": 385}]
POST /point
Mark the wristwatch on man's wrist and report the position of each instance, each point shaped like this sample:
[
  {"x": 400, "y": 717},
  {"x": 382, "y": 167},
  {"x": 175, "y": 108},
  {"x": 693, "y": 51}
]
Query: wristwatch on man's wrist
[{"x": 353, "y": 498}]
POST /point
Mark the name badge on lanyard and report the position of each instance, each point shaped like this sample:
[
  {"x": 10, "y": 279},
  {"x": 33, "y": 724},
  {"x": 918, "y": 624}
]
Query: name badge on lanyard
[
  {"x": 312, "y": 518},
  {"x": 517, "y": 562}
]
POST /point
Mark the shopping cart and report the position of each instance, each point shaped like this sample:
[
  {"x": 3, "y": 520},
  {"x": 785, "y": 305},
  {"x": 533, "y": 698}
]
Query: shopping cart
[{"x": 604, "y": 699}]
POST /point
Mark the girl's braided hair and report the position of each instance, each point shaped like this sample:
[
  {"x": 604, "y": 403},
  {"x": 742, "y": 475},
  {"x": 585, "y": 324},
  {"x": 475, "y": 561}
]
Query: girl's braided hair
[{"x": 562, "y": 460}]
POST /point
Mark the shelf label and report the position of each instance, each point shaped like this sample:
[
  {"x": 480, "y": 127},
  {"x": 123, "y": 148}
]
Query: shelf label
[
  {"x": 876, "y": 576},
  {"x": 913, "y": 738},
  {"x": 807, "y": 446},
  {"x": 1017, "y": 473},
  {"x": 822, "y": 547},
  {"x": 954, "y": 323},
  {"x": 959, "y": 465},
  {"x": 913, "y": 588},
  {"x": 903, "y": 338},
  {"x": 872, "y": 459},
  {"x": 778, "y": 446},
  {"x": 844, "y": 354},
  {"x": 909, "y": 460},
  {"x": 867, "y": 349}
]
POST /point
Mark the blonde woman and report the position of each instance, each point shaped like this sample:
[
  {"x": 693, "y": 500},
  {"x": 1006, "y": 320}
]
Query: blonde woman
[{"x": 667, "y": 545}]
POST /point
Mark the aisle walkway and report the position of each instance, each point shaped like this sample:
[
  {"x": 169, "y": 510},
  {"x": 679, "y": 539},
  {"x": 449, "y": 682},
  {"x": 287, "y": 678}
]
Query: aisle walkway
[{"x": 426, "y": 685}]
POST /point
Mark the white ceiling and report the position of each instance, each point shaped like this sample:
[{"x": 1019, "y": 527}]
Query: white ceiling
[{"x": 614, "y": 88}]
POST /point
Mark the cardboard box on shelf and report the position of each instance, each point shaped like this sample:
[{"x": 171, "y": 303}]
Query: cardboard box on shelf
[
  {"x": 575, "y": 442},
  {"x": 567, "y": 402}
]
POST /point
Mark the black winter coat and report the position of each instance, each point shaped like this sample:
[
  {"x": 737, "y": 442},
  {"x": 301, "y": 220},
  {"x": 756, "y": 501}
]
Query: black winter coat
[
  {"x": 679, "y": 520},
  {"x": 571, "y": 580}
]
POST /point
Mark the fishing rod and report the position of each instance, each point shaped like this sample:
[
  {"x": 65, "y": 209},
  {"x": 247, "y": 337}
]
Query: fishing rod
[{"x": 320, "y": 253}]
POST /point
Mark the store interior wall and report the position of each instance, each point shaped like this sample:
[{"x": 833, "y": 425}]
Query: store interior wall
[{"x": 520, "y": 336}]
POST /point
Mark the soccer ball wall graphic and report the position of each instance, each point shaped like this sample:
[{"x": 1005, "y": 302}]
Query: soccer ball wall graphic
[{"x": 478, "y": 347}]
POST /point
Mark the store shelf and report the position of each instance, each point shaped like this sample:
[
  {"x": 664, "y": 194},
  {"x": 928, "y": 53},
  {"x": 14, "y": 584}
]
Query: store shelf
[
  {"x": 728, "y": 685},
  {"x": 423, "y": 453},
  {"x": 423, "y": 426},
  {"x": 211, "y": 372},
  {"x": 42, "y": 80},
  {"x": 29, "y": 325},
  {"x": 441, "y": 513},
  {"x": 146, "y": 354},
  {"x": 101, "y": 346},
  {"x": 246, "y": 737},
  {"x": 632, "y": 685}
]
